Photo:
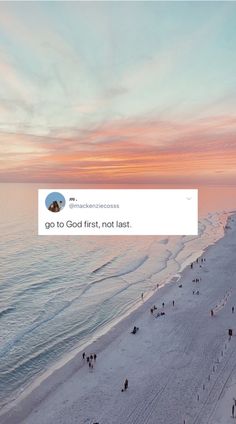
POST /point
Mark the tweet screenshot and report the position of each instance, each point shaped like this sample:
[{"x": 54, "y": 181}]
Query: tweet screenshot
[{"x": 118, "y": 212}]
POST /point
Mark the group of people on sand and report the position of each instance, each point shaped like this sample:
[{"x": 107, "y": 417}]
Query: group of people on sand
[
  {"x": 90, "y": 359},
  {"x": 197, "y": 279},
  {"x": 202, "y": 260},
  {"x": 154, "y": 308},
  {"x": 197, "y": 261}
]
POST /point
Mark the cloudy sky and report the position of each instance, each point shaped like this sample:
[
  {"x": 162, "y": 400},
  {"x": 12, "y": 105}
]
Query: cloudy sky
[{"x": 118, "y": 92}]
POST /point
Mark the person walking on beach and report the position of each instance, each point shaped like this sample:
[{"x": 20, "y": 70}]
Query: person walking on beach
[
  {"x": 84, "y": 355},
  {"x": 95, "y": 356},
  {"x": 191, "y": 265},
  {"x": 126, "y": 384},
  {"x": 173, "y": 303},
  {"x": 232, "y": 309},
  {"x": 142, "y": 296},
  {"x": 233, "y": 411},
  {"x": 212, "y": 312},
  {"x": 163, "y": 305}
]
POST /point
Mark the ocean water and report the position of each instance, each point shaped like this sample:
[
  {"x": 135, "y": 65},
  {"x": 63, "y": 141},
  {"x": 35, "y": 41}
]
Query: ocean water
[{"x": 58, "y": 293}]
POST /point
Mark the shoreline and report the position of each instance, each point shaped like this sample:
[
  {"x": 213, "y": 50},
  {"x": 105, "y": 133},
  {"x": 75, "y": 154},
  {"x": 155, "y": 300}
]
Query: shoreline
[
  {"x": 64, "y": 368},
  {"x": 49, "y": 381},
  {"x": 164, "y": 275}
]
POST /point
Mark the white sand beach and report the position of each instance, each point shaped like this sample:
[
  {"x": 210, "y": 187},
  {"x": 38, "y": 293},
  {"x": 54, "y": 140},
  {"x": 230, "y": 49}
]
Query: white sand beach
[{"x": 181, "y": 366}]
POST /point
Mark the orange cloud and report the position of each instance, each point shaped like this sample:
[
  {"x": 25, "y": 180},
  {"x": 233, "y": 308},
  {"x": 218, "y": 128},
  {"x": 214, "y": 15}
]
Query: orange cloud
[{"x": 149, "y": 152}]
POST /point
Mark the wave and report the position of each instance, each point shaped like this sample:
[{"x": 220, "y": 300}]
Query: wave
[
  {"x": 104, "y": 265},
  {"x": 127, "y": 269},
  {"x": 39, "y": 286},
  {"x": 6, "y": 311}
]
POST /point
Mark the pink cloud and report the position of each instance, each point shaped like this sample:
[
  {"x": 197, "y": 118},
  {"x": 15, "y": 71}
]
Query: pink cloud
[{"x": 131, "y": 152}]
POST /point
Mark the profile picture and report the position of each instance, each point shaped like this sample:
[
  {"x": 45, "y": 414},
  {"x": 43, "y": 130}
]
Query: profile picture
[{"x": 55, "y": 202}]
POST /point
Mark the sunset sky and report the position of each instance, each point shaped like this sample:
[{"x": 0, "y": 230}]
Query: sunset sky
[{"x": 118, "y": 92}]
